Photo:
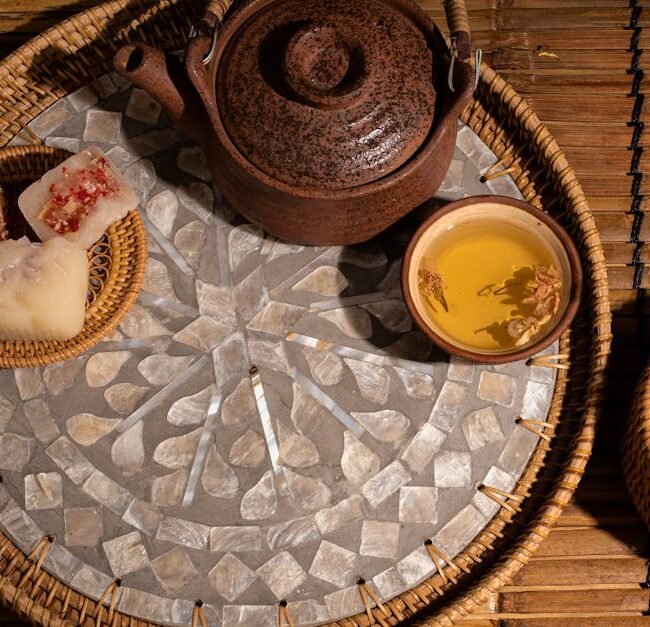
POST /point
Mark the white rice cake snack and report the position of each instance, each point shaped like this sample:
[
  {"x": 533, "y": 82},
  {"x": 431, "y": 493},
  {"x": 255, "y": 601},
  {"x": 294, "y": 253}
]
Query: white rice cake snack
[
  {"x": 43, "y": 289},
  {"x": 77, "y": 200}
]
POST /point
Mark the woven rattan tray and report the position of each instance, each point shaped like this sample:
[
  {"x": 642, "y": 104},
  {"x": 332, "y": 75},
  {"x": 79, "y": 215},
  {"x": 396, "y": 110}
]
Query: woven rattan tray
[
  {"x": 116, "y": 268},
  {"x": 636, "y": 448},
  {"x": 527, "y": 152}
]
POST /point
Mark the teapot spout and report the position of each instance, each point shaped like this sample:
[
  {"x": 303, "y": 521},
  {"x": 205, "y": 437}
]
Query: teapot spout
[{"x": 163, "y": 77}]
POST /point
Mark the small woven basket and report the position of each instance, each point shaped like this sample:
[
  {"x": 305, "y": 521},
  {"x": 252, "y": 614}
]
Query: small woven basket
[
  {"x": 117, "y": 264},
  {"x": 636, "y": 448}
]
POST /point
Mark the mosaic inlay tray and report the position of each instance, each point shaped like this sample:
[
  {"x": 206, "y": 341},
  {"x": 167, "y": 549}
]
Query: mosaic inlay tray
[{"x": 266, "y": 424}]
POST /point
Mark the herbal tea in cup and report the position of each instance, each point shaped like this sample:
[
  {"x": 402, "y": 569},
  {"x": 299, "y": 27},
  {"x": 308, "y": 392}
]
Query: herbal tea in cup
[{"x": 491, "y": 278}]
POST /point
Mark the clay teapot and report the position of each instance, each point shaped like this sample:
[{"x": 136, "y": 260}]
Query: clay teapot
[{"x": 323, "y": 121}]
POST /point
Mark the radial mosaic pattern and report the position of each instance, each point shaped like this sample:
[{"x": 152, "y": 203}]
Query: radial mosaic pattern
[{"x": 266, "y": 423}]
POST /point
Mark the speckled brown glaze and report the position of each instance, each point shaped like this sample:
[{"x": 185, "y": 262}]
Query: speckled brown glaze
[
  {"x": 310, "y": 214},
  {"x": 327, "y": 93}
]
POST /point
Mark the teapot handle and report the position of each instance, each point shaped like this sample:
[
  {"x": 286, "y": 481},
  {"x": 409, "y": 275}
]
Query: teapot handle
[
  {"x": 456, "y": 12},
  {"x": 219, "y": 8},
  {"x": 458, "y": 23}
]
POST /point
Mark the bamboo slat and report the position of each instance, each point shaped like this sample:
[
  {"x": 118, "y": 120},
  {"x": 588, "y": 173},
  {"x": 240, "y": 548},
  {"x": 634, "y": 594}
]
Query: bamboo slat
[
  {"x": 609, "y": 204},
  {"x": 631, "y": 598},
  {"x": 598, "y": 39},
  {"x": 561, "y": 61}
]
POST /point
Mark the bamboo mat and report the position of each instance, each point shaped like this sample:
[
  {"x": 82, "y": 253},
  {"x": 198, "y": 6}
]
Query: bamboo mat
[{"x": 581, "y": 64}]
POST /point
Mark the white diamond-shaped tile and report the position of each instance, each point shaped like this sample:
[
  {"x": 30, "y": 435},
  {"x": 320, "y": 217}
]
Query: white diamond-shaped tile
[
  {"x": 126, "y": 554},
  {"x": 143, "y": 516},
  {"x": 453, "y": 469},
  {"x": 497, "y": 388},
  {"x": 83, "y": 98},
  {"x": 282, "y": 574},
  {"x": 482, "y": 427},
  {"x": 418, "y": 504},
  {"x": 143, "y": 107},
  {"x": 377, "y": 489},
  {"x": 460, "y": 370},
  {"x": 102, "y": 126},
  {"x": 44, "y": 490},
  {"x": 379, "y": 538},
  {"x": 15, "y": 451},
  {"x": 83, "y": 526},
  {"x": 334, "y": 564},
  {"x": 174, "y": 569},
  {"x": 231, "y": 577}
]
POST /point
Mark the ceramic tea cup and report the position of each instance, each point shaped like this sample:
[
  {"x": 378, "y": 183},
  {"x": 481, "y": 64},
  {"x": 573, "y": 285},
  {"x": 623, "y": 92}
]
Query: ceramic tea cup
[{"x": 492, "y": 279}]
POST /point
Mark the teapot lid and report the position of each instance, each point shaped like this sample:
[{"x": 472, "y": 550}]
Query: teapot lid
[{"x": 327, "y": 93}]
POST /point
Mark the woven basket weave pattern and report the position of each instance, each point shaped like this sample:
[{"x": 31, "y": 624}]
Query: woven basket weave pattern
[
  {"x": 116, "y": 269},
  {"x": 78, "y": 51},
  {"x": 636, "y": 449}
]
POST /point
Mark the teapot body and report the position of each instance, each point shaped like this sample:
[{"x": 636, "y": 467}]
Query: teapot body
[
  {"x": 316, "y": 216},
  {"x": 341, "y": 211}
]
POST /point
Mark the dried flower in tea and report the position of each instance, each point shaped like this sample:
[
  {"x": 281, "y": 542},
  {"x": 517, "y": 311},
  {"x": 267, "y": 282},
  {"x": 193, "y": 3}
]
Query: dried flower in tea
[
  {"x": 543, "y": 291},
  {"x": 432, "y": 287},
  {"x": 522, "y": 330}
]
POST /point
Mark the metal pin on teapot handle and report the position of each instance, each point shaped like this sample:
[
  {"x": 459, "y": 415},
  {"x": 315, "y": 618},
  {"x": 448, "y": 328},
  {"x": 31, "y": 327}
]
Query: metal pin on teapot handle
[{"x": 478, "y": 58}]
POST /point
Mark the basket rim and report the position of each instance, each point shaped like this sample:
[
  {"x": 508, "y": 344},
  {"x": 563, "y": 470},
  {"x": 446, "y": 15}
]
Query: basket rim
[
  {"x": 520, "y": 549},
  {"x": 636, "y": 447}
]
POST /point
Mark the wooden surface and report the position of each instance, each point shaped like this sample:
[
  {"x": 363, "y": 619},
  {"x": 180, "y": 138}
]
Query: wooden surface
[{"x": 582, "y": 66}]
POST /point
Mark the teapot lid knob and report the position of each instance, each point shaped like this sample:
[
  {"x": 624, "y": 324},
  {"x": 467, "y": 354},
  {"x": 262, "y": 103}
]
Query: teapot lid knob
[{"x": 318, "y": 63}]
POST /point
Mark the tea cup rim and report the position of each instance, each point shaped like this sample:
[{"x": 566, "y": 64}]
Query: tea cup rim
[{"x": 517, "y": 354}]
